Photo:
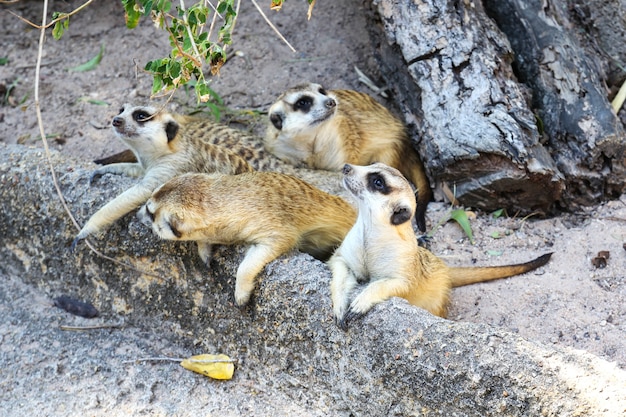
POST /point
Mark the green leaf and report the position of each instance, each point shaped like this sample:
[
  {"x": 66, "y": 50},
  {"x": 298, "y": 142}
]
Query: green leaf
[
  {"x": 157, "y": 84},
  {"x": 4, "y": 61},
  {"x": 91, "y": 64},
  {"x": 497, "y": 214},
  {"x": 61, "y": 26},
  {"x": 94, "y": 101},
  {"x": 132, "y": 13},
  {"x": 460, "y": 216},
  {"x": 494, "y": 252}
]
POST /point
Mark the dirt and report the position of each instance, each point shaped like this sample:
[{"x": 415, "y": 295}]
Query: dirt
[{"x": 569, "y": 302}]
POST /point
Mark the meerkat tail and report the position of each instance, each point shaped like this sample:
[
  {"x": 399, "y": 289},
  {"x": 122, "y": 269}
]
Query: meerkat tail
[
  {"x": 460, "y": 276},
  {"x": 413, "y": 169},
  {"x": 124, "y": 156}
]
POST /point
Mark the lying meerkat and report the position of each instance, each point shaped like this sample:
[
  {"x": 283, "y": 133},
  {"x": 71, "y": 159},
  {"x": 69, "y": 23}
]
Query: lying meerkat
[
  {"x": 273, "y": 213},
  {"x": 381, "y": 251},
  {"x": 327, "y": 129},
  {"x": 166, "y": 145}
]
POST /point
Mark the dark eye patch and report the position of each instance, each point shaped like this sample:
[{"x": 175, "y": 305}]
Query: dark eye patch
[
  {"x": 377, "y": 183},
  {"x": 150, "y": 214},
  {"x": 141, "y": 116},
  {"x": 303, "y": 104},
  {"x": 174, "y": 230}
]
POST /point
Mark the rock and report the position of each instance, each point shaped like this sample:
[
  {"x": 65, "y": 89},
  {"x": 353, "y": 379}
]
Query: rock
[{"x": 397, "y": 360}]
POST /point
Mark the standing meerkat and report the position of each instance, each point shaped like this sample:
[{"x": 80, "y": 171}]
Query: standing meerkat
[
  {"x": 166, "y": 145},
  {"x": 327, "y": 129},
  {"x": 381, "y": 252},
  {"x": 273, "y": 213}
]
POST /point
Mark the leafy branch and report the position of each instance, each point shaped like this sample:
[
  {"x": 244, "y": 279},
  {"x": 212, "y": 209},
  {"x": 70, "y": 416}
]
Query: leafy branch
[{"x": 191, "y": 44}]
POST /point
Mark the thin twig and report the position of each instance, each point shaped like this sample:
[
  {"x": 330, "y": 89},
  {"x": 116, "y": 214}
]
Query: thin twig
[
  {"x": 155, "y": 360},
  {"x": 618, "y": 101},
  {"x": 272, "y": 26},
  {"x": 232, "y": 28},
  {"x": 93, "y": 327},
  {"x": 165, "y": 359},
  {"x": 215, "y": 15},
  {"x": 58, "y": 19},
  {"x": 193, "y": 43},
  {"x": 214, "y": 8}
]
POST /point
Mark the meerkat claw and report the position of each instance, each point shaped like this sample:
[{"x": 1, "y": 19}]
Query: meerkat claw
[{"x": 74, "y": 243}]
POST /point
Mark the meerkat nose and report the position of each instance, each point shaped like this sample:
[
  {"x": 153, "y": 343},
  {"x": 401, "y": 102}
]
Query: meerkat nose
[
  {"x": 118, "y": 121},
  {"x": 330, "y": 103},
  {"x": 347, "y": 169}
]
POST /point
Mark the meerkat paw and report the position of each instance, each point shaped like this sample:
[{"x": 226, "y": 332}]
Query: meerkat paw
[
  {"x": 340, "y": 311},
  {"x": 424, "y": 240},
  {"x": 242, "y": 297},
  {"x": 95, "y": 176},
  {"x": 205, "y": 251},
  {"x": 359, "y": 306},
  {"x": 80, "y": 236},
  {"x": 351, "y": 316},
  {"x": 243, "y": 291}
]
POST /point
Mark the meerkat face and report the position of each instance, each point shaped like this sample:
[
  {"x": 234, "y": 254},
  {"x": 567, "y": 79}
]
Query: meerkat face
[
  {"x": 302, "y": 107},
  {"x": 163, "y": 223},
  {"x": 381, "y": 191},
  {"x": 175, "y": 210},
  {"x": 143, "y": 128}
]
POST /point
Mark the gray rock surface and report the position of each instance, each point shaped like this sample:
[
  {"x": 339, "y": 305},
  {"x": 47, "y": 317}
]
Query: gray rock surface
[{"x": 291, "y": 358}]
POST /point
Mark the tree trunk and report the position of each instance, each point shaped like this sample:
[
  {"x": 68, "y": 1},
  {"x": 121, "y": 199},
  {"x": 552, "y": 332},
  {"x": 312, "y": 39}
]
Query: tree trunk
[
  {"x": 586, "y": 138},
  {"x": 477, "y": 133}
]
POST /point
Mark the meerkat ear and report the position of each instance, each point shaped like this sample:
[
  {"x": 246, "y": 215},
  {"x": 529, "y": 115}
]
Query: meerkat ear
[
  {"x": 171, "y": 129},
  {"x": 401, "y": 214},
  {"x": 277, "y": 120}
]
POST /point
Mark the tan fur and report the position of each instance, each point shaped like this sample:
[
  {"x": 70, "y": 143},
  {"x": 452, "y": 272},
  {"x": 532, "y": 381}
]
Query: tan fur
[
  {"x": 339, "y": 127},
  {"x": 381, "y": 251},
  {"x": 168, "y": 144},
  {"x": 273, "y": 213}
]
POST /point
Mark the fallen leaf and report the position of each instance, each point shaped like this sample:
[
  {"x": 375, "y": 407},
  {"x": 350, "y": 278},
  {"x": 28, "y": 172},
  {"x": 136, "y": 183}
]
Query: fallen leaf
[{"x": 214, "y": 366}]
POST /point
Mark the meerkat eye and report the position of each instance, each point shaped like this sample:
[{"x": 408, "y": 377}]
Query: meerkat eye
[
  {"x": 377, "y": 183},
  {"x": 303, "y": 104},
  {"x": 141, "y": 116},
  {"x": 322, "y": 91},
  {"x": 150, "y": 214}
]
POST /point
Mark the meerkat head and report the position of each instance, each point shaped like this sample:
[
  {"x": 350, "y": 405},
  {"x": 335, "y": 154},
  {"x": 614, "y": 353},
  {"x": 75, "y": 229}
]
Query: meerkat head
[
  {"x": 302, "y": 107},
  {"x": 174, "y": 210},
  {"x": 381, "y": 191},
  {"x": 145, "y": 129}
]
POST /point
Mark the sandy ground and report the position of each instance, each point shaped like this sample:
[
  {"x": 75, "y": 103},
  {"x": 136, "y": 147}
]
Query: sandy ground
[{"x": 569, "y": 302}]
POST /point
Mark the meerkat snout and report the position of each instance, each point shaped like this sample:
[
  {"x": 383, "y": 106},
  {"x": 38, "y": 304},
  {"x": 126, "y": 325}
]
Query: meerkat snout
[
  {"x": 118, "y": 122},
  {"x": 330, "y": 103}
]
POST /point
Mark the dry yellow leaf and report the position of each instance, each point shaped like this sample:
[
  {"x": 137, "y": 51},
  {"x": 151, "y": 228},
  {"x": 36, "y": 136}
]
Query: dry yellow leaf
[{"x": 214, "y": 366}]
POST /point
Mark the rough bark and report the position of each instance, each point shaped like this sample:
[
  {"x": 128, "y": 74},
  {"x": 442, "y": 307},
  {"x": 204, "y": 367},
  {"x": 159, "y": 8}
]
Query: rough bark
[
  {"x": 398, "y": 360},
  {"x": 477, "y": 132},
  {"x": 586, "y": 138}
]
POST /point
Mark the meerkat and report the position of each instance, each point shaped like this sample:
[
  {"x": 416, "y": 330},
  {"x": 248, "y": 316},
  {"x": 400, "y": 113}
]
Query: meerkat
[
  {"x": 270, "y": 212},
  {"x": 323, "y": 129},
  {"x": 166, "y": 145},
  {"x": 381, "y": 252}
]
